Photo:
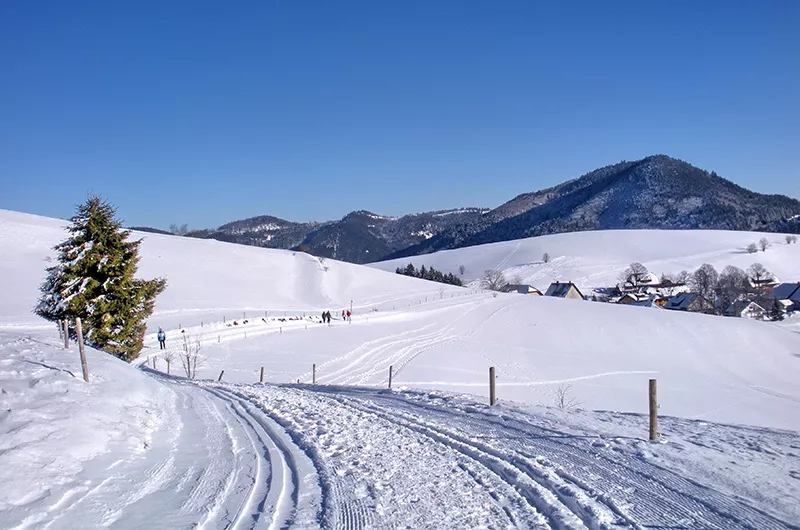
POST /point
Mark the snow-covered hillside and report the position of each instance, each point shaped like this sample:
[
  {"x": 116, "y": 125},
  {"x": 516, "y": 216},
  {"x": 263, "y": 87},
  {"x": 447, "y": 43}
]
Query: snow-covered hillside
[
  {"x": 206, "y": 279},
  {"x": 123, "y": 451},
  {"x": 444, "y": 337},
  {"x": 595, "y": 259}
]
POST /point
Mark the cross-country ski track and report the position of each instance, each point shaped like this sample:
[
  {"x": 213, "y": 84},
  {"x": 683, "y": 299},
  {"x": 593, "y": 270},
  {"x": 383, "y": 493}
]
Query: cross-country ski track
[{"x": 343, "y": 457}]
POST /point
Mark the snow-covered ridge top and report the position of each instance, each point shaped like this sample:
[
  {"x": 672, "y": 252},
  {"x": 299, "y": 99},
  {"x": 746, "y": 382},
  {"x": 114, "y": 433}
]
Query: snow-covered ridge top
[
  {"x": 267, "y": 227},
  {"x": 461, "y": 210}
]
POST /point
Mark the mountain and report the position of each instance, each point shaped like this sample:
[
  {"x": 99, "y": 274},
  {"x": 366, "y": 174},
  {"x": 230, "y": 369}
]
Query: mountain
[
  {"x": 359, "y": 237},
  {"x": 262, "y": 231},
  {"x": 656, "y": 192}
]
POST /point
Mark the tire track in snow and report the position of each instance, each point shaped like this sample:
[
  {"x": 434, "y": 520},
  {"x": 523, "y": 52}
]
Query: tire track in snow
[
  {"x": 561, "y": 509},
  {"x": 508, "y": 256},
  {"x": 659, "y": 493},
  {"x": 368, "y": 468},
  {"x": 403, "y": 350},
  {"x": 282, "y": 496},
  {"x": 341, "y": 506}
]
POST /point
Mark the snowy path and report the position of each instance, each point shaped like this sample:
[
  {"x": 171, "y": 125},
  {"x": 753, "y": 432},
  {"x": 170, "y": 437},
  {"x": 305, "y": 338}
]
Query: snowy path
[
  {"x": 220, "y": 464},
  {"x": 386, "y": 459},
  {"x": 345, "y": 458}
]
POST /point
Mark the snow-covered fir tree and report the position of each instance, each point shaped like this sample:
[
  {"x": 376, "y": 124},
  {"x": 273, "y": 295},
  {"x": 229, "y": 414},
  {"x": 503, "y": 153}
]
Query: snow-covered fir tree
[{"x": 94, "y": 280}]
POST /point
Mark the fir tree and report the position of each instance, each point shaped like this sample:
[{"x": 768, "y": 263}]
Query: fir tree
[
  {"x": 94, "y": 280},
  {"x": 776, "y": 312}
]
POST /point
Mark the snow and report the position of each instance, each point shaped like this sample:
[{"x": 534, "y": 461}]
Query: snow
[
  {"x": 347, "y": 452},
  {"x": 52, "y": 422},
  {"x": 595, "y": 259}
]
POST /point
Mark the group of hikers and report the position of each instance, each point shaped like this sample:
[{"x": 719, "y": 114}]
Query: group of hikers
[{"x": 326, "y": 316}]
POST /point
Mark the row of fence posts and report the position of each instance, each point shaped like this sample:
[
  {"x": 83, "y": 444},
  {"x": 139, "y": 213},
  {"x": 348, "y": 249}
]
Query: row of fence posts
[
  {"x": 652, "y": 394},
  {"x": 653, "y": 399},
  {"x": 63, "y": 332}
]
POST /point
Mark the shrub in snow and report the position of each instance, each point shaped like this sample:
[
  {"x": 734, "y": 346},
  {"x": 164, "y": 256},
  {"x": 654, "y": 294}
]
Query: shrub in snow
[
  {"x": 758, "y": 273},
  {"x": 633, "y": 274},
  {"x": 731, "y": 285},
  {"x": 764, "y": 244},
  {"x": 752, "y": 248},
  {"x": 704, "y": 281},
  {"x": 94, "y": 280},
  {"x": 493, "y": 280}
]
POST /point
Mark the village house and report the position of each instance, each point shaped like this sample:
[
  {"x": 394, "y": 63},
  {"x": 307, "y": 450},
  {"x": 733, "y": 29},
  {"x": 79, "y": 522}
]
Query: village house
[
  {"x": 564, "y": 290},
  {"x": 522, "y": 288},
  {"x": 747, "y": 309},
  {"x": 788, "y": 294},
  {"x": 633, "y": 299},
  {"x": 691, "y": 302}
]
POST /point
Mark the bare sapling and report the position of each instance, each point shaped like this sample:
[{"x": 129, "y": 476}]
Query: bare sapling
[
  {"x": 563, "y": 397},
  {"x": 168, "y": 357},
  {"x": 190, "y": 355}
]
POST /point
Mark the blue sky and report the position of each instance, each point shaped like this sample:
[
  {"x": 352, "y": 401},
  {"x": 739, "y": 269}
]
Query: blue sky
[{"x": 205, "y": 112}]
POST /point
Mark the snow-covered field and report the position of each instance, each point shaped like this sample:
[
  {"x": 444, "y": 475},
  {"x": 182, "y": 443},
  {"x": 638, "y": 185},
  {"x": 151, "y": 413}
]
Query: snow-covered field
[
  {"x": 596, "y": 259},
  {"x": 123, "y": 451}
]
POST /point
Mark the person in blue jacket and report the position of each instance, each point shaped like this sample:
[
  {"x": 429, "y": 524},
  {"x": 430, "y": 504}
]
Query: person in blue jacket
[{"x": 162, "y": 339}]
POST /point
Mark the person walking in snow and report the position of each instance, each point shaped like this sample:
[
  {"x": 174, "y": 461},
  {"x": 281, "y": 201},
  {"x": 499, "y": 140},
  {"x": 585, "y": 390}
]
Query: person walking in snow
[
  {"x": 348, "y": 315},
  {"x": 324, "y": 317},
  {"x": 162, "y": 339}
]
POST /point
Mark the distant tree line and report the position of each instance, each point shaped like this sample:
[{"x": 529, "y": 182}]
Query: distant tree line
[{"x": 429, "y": 274}]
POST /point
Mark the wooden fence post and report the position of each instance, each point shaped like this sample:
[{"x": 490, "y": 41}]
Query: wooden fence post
[
  {"x": 220, "y": 375},
  {"x": 262, "y": 375},
  {"x": 313, "y": 374},
  {"x": 491, "y": 386},
  {"x": 653, "y": 411},
  {"x": 154, "y": 363},
  {"x": 66, "y": 334},
  {"x": 60, "y": 331},
  {"x": 82, "y": 350},
  {"x": 390, "y": 376}
]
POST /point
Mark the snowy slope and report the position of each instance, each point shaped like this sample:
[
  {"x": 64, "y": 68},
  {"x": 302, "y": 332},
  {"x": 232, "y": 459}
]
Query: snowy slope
[
  {"x": 51, "y": 421},
  {"x": 207, "y": 279},
  {"x": 595, "y": 259},
  {"x": 124, "y": 452},
  {"x": 443, "y": 337}
]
